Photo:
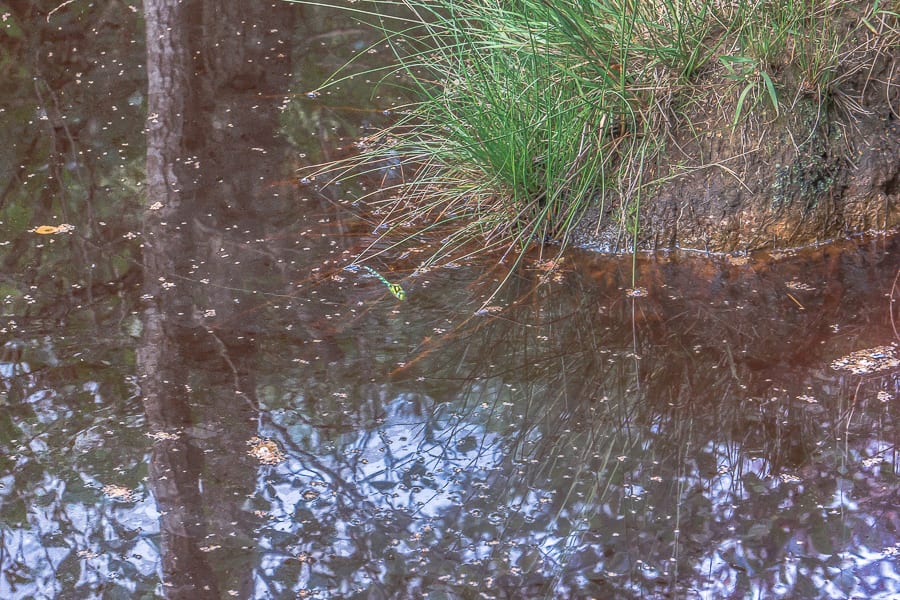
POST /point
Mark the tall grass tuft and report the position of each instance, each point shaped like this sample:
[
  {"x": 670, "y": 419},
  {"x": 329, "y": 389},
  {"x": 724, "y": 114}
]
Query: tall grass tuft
[{"x": 527, "y": 112}]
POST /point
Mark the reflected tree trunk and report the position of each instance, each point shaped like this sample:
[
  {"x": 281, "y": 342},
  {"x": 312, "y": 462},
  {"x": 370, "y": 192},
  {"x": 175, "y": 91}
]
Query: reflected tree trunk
[{"x": 214, "y": 73}]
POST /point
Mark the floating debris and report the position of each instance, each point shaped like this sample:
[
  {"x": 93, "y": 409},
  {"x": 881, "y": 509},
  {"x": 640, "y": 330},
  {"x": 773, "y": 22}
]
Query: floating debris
[
  {"x": 160, "y": 436},
  {"x": 638, "y": 292},
  {"x": 738, "y": 260},
  {"x": 265, "y": 451},
  {"x": 555, "y": 277},
  {"x": 550, "y": 270},
  {"x": 872, "y": 360},
  {"x": 118, "y": 492},
  {"x": 782, "y": 254},
  {"x": 548, "y": 265},
  {"x": 799, "y": 286}
]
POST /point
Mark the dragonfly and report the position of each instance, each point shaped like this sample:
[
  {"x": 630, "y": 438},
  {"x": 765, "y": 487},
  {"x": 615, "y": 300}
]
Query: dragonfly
[{"x": 394, "y": 288}]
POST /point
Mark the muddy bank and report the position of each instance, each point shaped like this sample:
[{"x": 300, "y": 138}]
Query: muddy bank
[{"x": 821, "y": 169}]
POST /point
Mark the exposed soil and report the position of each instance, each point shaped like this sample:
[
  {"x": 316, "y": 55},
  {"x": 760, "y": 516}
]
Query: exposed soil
[{"x": 819, "y": 170}]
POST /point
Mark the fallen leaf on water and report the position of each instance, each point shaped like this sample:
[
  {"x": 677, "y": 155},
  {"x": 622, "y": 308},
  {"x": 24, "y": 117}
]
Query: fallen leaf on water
[
  {"x": 118, "y": 492},
  {"x": 265, "y": 451},
  {"x": 51, "y": 229}
]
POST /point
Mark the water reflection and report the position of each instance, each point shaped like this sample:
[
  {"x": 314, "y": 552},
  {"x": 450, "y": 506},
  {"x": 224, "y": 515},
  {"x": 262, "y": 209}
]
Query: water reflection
[
  {"x": 195, "y": 361},
  {"x": 569, "y": 439}
]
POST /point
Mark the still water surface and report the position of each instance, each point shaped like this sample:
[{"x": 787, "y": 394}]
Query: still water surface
[{"x": 198, "y": 401}]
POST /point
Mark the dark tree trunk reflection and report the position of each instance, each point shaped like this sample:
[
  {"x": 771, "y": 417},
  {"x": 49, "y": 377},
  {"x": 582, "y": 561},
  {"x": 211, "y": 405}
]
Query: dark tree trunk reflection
[{"x": 214, "y": 70}]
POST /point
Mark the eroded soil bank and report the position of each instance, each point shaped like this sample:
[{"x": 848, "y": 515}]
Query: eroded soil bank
[{"x": 822, "y": 169}]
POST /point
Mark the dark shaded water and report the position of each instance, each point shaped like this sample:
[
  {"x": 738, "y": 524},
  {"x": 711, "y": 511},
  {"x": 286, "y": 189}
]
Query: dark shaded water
[{"x": 197, "y": 401}]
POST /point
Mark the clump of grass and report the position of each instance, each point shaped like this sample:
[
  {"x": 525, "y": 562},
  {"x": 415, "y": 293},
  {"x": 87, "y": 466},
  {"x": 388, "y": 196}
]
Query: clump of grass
[
  {"x": 527, "y": 112},
  {"x": 504, "y": 144}
]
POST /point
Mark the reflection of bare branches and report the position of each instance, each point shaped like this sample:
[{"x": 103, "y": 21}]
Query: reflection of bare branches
[
  {"x": 59, "y": 7},
  {"x": 892, "y": 302},
  {"x": 223, "y": 354},
  {"x": 336, "y": 480}
]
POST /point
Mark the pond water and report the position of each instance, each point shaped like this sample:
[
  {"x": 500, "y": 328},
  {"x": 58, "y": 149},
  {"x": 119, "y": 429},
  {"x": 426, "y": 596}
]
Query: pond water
[{"x": 198, "y": 401}]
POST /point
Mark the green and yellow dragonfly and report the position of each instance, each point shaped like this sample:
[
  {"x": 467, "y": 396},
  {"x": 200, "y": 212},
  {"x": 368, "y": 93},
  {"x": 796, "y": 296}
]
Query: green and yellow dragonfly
[{"x": 394, "y": 288}]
